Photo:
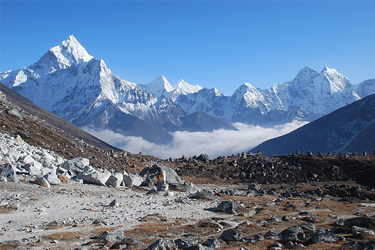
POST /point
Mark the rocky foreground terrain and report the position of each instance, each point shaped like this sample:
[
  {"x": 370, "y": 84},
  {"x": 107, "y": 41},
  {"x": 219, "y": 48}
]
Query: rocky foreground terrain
[{"x": 60, "y": 192}]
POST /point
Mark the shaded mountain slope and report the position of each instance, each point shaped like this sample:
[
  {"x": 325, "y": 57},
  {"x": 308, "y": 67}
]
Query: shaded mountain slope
[{"x": 350, "y": 128}]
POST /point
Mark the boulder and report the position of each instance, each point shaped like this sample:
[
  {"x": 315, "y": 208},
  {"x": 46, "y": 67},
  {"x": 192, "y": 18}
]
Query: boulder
[
  {"x": 198, "y": 247},
  {"x": 271, "y": 235},
  {"x": 113, "y": 236},
  {"x": 9, "y": 172},
  {"x": 254, "y": 186},
  {"x": 230, "y": 235},
  {"x": 367, "y": 222},
  {"x": 42, "y": 181},
  {"x": 27, "y": 159},
  {"x": 76, "y": 165},
  {"x": 115, "y": 180},
  {"x": 16, "y": 113},
  {"x": 129, "y": 243},
  {"x": 228, "y": 207},
  {"x": 93, "y": 176},
  {"x": 360, "y": 245},
  {"x": 324, "y": 235},
  {"x": 190, "y": 188},
  {"x": 212, "y": 243},
  {"x": 294, "y": 233},
  {"x": 132, "y": 180},
  {"x": 163, "y": 244},
  {"x": 34, "y": 168},
  {"x": 204, "y": 195},
  {"x": 162, "y": 186},
  {"x": 158, "y": 173},
  {"x": 52, "y": 178},
  {"x": 362, "y": 231}
]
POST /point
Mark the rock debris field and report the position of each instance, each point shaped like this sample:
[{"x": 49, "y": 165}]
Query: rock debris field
[{"x": 48, "y": 202}]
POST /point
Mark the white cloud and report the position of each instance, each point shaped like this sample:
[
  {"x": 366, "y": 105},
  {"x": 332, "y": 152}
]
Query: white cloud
[{"x": 216, "y": 143}]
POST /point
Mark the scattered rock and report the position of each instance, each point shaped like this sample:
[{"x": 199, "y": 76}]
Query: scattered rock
[
  {"x": 115, "y": 180},
  {"x": 324, "y": 235},
  {"x": 294, "y": 233},
  {"x": 76, "y": 165},
  {"x": 228, "y": 207},
  {"x": 41, "y": 181},
  {"x": 367, "y": 222},
  {"x": 362, "y": 232},
  {"x": 231, "y": 235},
  {"x": 93, "y": 176},
  {"x": 254, "y": 186},
  {"x": 132, "y": 180},
  {"x": 163, "y": 244},
  {"x": 158, "y": 173},
  {"x": 204, "y": 195}
]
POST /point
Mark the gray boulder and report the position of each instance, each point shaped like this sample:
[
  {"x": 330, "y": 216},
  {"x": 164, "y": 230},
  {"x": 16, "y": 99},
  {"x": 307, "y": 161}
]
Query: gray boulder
[
  {"x": 76, "y": 165},
  {"x": 367, "y": 222},
  {"x": 93, "y": 176},
  {"x": 254, "y": 186},
  {"x": 112, "y": 236},
  {"x": 204, "y": 195},
  {"x": 324, "y": 235},
  {"x": 294, "y": 233},
  {"x": 362, "y": 231},
  {"x": 230, "y": 235},
  {"x": 162, "y": 186},
  {"x": 41, "y": 181},
  {"x": 34, "y": 168},
  {"x": 228, "y": 207},
  {"x": 198, "y": 247},
  {"x": 163, "y": 244},
  {"x": 213, "y": 243},
  {"x": 9, "y": 172},
  {"x": 190, "y": 188},
  {"x": 52, "y": 178},
  {"x": 132, "y": 180},
  {"x": 115, "y": 180},
  {"x": 360, "y": 245},
  {"x": 158, "y": 173}
]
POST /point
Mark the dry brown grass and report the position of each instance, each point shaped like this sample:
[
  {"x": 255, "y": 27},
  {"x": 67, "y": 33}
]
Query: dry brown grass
[
  {"x": 66, "y": 236},
  {"x": 7, "y": 209}
]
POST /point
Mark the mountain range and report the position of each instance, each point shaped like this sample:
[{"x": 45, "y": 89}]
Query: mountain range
[{"x": 81, "y": 89}]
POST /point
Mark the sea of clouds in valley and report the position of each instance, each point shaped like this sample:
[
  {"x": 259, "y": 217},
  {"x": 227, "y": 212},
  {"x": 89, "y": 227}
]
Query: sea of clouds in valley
[{"x": 216, "y": 143}]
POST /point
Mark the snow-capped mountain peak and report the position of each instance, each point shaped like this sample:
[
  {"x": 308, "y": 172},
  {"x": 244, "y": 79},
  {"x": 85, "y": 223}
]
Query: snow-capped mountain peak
[
  {"x": 185, "y": 88},
  {"x": 71, "y": 51},
  {"x": 337, "y": 81},
  {"x": 160, "y": 86},
  {"x": 304, "y": 77}
]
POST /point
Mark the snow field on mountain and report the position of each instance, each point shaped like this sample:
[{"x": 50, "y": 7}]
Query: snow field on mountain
[{"x": 216, "y": 143}]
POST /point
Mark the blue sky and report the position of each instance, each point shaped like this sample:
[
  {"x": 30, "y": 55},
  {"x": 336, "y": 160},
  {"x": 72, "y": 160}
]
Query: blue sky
[{"x": 211, "y": 43}]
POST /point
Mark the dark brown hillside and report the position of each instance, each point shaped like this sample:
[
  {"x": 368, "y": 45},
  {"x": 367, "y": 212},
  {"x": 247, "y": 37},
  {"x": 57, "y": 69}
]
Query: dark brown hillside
[{"x": 56, "y": 121}]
